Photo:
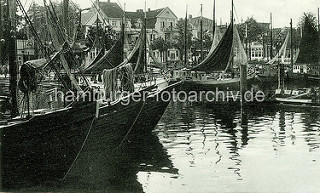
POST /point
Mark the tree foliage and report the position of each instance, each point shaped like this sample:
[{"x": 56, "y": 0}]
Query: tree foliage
[
  {"x": 101, "y": 37},
  {"x": 255, "y": 30},
  {"x": 179, "y": 37}
]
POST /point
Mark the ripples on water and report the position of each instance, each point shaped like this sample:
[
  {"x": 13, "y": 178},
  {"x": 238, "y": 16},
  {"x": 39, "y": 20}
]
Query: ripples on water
[
  {"x": 277, "y": 151},
  {"x": 201, "y": 148}
]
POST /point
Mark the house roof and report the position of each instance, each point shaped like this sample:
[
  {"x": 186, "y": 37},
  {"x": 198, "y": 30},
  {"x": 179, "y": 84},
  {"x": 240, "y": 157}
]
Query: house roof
[
  {"x": 151, "y": 16},
  {"x": 111, "y": 10}
]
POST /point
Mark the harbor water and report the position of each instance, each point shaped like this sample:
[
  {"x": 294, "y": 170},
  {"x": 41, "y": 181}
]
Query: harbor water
[{"x": 209, "y": 148}]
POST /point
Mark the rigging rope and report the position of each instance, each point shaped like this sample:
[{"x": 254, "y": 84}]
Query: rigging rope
[
  {"x": 83, "y": 144},
  {"x": 134, "y": 122}
]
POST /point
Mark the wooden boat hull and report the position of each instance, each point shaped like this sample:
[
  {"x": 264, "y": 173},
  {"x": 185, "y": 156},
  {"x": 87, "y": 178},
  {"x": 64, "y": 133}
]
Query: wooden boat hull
[
  {"x": 44, "y": 148},
  {"x": 294, "y": 101},
  {"x": 212, "y": 85},
  {"x": 153, "y": 109}
]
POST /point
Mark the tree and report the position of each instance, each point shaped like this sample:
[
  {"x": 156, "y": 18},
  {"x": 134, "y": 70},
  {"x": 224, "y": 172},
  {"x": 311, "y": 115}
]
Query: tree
[
  {"x": 101, "y": 37},
  {"x": 179, "y": 37},
  {"x": 161, "y": 45},
  {"x": 207, "y": 42},
  {"x": 309, "y": 45},
  {"x": 254, "y": 30}
]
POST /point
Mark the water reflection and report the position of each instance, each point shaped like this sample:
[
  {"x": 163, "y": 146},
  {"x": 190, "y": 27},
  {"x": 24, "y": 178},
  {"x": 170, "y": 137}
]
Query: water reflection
[
  {"x": 106, "y": 170},
  {"x": 226, "y": 144}
]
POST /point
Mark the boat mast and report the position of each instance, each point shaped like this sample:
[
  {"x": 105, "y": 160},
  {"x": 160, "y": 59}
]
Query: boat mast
[
  {"x": 185, "y": 37},
  {"x": 232, "y": 53},
  {"x": 271, "y": 41},
  {"x": 122, "y": 30},
  {"x": 13, "y": 68},
  {"x": 291, "y": 47},
  {"x": 201, "y": 36},
  {"x": 214, "y": 18},
  {"x": 145, "y": 35},
  {"x": 1, "y": 37},
  {"x": 318, "y": 20},
  {"x": 66, "y": 16}
]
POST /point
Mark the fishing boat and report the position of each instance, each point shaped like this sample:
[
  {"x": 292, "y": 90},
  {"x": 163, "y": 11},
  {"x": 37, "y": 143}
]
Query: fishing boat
[
  {"x": 43, "y": 147},
  {"x": 308, "y": 96},
  {"x": 226, "y": 55},
  {"x": 302, "y": 65}
]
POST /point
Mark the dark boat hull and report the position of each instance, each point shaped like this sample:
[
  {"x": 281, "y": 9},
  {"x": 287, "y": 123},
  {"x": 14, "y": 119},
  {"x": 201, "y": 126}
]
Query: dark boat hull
[
  {"x": 44, "y": 148},
  {"x": 153, "y": 109}
]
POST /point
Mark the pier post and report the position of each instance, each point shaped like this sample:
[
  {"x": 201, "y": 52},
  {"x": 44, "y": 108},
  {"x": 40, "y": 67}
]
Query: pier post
[
  {"x": 243, "y": 82},
  {"x": 281, "y": 76},
  {"x": 243, "y": 89}
]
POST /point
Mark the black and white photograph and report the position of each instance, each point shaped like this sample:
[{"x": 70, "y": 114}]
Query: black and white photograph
[{"x": 158, "y": 96}]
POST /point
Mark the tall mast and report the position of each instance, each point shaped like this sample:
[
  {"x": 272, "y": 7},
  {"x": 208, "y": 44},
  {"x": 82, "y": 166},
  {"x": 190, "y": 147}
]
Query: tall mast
[
  {"x": 271, "y": 38},
  {"x": 201, "y": 35},
  {"x": 232, "y": 54},
  {"x": 66, "y": 16},
  {"x": 1, "y": 37},
  {"x": 214, "y": 18},
  {"x": 291, "y": 47},
  {"x": 318, "y": 20},
  {"x": 185, "y": 37},
  {"x": 145, "y": 35},
  {"x": 122, "y": 29},
  {"x": 232, "y": 13},
  {"x": 13, "y": 68}
]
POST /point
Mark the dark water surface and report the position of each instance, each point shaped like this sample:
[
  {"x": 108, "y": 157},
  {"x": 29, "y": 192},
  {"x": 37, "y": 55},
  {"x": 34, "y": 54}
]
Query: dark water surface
[
  {"x": 278, "y": 151},
  {"x": 204, "y": 148}
]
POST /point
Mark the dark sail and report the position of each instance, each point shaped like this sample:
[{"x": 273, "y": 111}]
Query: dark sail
[
  {"x": 218, "y": 60},
  {"x": 309, "y": 45},
  {"x": 110, "y": 59}
]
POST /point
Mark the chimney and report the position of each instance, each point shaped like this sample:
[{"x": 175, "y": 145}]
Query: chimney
[
  {"x": 190, "y": 16},
  {"x": 149, "y": 9},
  {"x": 108, "y": 1}
]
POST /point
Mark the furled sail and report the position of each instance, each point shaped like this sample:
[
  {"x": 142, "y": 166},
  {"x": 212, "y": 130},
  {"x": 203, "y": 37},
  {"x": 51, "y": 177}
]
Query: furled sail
[
  {"x": 239, "y": 54},
  {"x": 216, "y": 39},
  {"x": 109, "y": 60},
  {"x": 218, "y": 60},
  {"x": 114, "y": 58},
  {"x": 282, "y": 51},
  {"x": 61, "y": 45},
  {"x": 310, "y": 44}
]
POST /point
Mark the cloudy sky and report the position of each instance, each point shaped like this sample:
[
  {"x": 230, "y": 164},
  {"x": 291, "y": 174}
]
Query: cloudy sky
[{"x": 282, "y": 10}]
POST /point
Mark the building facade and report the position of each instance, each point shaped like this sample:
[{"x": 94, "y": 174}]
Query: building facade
[{"x": 25, "y": 51}]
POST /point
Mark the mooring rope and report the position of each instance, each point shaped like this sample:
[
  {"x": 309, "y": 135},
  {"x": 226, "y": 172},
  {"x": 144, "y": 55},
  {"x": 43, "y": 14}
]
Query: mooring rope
[
  {"x": 84, "y": 142},
  {"x": 132, "y": 124}
]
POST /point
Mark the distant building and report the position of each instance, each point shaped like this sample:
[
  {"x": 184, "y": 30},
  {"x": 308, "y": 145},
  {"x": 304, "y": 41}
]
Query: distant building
[
  {"x": 207, "y": 25},
  {"x": 160, "y": 23},
  {"x": 105, "y": 13},
  {"x": 257, "y": 51},
  {"x": 25, "y": 50}
]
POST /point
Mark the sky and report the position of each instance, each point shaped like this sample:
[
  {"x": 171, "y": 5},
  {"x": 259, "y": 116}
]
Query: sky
[{"x": 282, "y": 10}]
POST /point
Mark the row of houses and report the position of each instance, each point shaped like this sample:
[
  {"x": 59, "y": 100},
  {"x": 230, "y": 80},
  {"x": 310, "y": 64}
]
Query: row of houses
[{"x": 160, "y": 23}]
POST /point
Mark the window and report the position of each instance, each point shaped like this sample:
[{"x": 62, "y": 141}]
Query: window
[
  {"x": 162, "y": 25},
  {"x": 114, "y": 23}
]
